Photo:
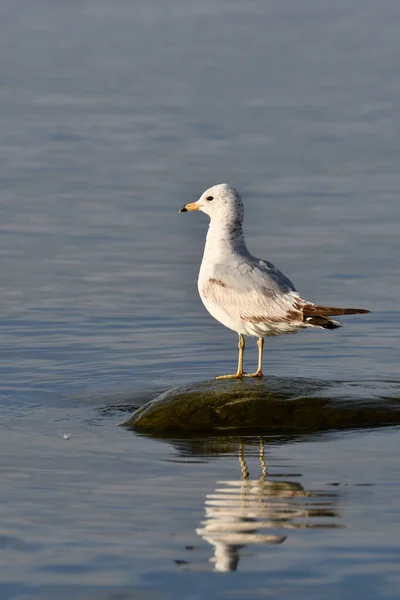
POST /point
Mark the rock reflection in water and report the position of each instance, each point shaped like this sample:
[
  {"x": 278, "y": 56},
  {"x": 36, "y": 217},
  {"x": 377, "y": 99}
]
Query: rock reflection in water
[{"x": 238, "y": 512}]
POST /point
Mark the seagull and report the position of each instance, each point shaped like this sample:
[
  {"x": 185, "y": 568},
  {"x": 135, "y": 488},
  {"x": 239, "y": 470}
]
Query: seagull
[{"x": 247, "y": 294}]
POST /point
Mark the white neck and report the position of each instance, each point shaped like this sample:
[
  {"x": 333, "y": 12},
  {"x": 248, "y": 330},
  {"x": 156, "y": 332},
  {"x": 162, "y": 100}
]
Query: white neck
[{"x": 224, "y": 238}]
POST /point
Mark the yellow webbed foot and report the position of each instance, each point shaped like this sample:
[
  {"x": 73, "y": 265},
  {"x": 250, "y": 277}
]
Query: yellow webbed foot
[
  {"x": 257, "y": 374},
  {"x": 238, "y": 375}
]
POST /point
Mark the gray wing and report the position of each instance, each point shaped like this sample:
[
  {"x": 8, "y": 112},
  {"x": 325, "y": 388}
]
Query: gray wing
[
  {"x": 254, "y": 291},
  {"x": 277, "y": 276}
]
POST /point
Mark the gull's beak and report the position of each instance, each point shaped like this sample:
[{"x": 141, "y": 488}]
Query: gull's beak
[{"x": 189, "y": 207}]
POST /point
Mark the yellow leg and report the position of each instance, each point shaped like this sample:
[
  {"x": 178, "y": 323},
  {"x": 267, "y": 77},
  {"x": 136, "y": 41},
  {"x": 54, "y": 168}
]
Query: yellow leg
[
  {"x": 258, "y": 373},
  {"x": 239, "y": 373}
]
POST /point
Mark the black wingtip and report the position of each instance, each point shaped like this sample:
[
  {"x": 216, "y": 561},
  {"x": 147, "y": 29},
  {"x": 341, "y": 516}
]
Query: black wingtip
[{"x": 323, "y": 322}]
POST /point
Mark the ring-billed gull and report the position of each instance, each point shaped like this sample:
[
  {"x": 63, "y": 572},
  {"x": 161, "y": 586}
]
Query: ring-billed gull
[{"x": 247, "y": 294}]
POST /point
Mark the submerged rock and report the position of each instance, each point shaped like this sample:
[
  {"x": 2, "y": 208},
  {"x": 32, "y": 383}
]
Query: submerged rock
[{"x": 275, "y": 404}]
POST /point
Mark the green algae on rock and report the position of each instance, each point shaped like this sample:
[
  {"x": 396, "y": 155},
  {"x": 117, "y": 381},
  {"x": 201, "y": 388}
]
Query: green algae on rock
[{"x": 275, "y": 404}]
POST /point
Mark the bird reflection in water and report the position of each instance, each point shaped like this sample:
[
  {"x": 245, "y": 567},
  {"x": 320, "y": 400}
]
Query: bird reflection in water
[{"x": 239, "y": 511}]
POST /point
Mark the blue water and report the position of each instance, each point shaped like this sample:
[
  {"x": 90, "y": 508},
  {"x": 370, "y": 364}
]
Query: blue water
[{"x": 111, "y": 118}]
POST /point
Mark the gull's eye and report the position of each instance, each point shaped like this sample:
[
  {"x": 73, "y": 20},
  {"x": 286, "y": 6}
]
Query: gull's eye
[{"x": 209, "y": 198}]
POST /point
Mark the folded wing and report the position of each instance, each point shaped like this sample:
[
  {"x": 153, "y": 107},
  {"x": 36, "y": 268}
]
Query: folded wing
[
  {"x": 253, "y": 294},
  {"x": 261, "y": 294}
]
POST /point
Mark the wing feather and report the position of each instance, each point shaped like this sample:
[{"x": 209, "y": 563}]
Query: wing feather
[{"x": 254, "y": 293}]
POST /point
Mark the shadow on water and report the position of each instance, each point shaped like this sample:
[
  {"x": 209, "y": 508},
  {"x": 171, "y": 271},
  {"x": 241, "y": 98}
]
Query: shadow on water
[
  {"x": 274, "y": 405},
  {"x": 211, "y": 419},
  {"x": 251, "y": 508},
  {"x": 261, "y": 510}
]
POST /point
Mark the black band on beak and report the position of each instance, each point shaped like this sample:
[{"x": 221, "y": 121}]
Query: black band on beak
[{"x": 183, "y": 209}]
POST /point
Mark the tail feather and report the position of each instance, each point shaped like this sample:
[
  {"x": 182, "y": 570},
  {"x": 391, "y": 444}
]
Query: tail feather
[
  {"x": 316, "y": 316},
  {"x": 311, "y": 310}
]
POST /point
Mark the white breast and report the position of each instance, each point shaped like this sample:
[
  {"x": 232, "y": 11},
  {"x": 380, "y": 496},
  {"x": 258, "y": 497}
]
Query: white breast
[
  {"x": 239, "y": 290},
  {"x": 233, "y": 319},
  {"x": 219, "y": 313}
]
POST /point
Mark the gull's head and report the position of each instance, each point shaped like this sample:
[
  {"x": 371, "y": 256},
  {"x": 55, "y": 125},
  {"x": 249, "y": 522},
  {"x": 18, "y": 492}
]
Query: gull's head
[{"x": 222, "y": 202}]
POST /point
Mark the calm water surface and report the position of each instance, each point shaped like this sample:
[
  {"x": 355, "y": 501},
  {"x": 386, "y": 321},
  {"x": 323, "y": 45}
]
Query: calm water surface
[{"x": 112, "y": 116}]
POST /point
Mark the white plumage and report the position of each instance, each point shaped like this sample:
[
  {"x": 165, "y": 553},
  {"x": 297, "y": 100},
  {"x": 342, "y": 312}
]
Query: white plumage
[{"x": 247, "y": 294}]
